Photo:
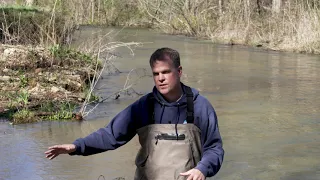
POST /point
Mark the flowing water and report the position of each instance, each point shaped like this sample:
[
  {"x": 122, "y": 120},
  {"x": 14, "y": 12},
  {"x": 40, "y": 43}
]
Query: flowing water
[{"x": 268, "y": 106}]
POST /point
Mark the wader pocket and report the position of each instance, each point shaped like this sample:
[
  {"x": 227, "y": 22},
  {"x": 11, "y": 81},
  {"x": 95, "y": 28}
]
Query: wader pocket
[
  {"x": 166, "y": 136},
  {"x": 172, "y": 152}
]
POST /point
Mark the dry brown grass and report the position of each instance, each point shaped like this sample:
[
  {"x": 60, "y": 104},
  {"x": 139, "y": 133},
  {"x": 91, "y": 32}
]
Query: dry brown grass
[
  {"x": 27, "y": 25},
  {"x": 295, "y": 28}
]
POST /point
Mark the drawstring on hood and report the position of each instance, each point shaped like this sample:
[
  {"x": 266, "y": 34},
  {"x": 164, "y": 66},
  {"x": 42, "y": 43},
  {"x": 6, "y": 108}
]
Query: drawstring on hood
[
  {"x": 177, "y": 121},
  {"x": 163, "y": 106}
]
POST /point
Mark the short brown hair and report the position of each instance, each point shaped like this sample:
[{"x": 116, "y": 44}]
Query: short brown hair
[{"x": 165, "y": 53}]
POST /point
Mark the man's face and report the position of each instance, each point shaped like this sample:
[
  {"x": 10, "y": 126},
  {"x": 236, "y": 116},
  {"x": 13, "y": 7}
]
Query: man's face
[{"x": 166, "y": 77}]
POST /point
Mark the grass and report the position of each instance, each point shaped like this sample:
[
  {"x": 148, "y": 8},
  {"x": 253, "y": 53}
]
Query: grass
[
  {"x": 48, "y": 110},
  {"x": 46, "y": 83},
  {"x": 32, "y": 25},
  {"x": 63, "y": 52},
  {"x": 23, "y": 81},
  {"x": 295, "y": 28},
  {"x": 6, "y": 8},
  {"x": 57, "y": 110},
  {"x": 23, "y": 116}
]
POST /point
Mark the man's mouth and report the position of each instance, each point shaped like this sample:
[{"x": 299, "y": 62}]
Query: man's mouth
[{"x": 162, "y": 85}]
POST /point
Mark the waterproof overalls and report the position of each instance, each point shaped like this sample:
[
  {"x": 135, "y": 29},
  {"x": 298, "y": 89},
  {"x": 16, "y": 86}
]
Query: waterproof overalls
[{"x": 164, "y": 153}]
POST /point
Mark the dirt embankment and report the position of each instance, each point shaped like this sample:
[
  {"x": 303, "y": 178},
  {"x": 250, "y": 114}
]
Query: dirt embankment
[{"x": 43, "y": 84}]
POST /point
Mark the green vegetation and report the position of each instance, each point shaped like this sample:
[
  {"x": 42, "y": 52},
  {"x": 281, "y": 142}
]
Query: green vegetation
[
  {"x": 114, "y": 13},
  {"x": 23, "y": 81},
  {"x": 65, "y": 53},
  {"x": 57, "y": 110},
  {"x": 273, "y": 24},
  {"x": 44, "y": 83},
  {"x": 31, "y": 25},
  {"x": 23, "y": 116}
]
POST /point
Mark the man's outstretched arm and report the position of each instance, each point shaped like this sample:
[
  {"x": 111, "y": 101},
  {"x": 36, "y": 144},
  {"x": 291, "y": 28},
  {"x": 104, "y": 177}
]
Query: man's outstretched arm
[{"x": 118, "y": 132}]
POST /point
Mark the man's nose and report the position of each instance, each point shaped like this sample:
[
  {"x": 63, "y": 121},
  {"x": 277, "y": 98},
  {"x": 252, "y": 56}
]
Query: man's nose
[{"x": 161, "y": 77}]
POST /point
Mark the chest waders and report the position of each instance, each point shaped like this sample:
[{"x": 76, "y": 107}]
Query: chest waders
[{"x": 164, "y": 154}]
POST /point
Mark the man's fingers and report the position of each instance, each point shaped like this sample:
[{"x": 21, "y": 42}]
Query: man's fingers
[
  {"x": 190, "y": 177},
  {"x": 55, "y": 147},
  {"x": 193, "y": 174},
  {"x": 49, "y": 151},
  {"x": 54, "y": 151},
  {"x": 185, "y": 173},
  {"x": 49, "y": 155},
  {"x": 52, "y": 157},
  {"x": 196, "y": 177}
]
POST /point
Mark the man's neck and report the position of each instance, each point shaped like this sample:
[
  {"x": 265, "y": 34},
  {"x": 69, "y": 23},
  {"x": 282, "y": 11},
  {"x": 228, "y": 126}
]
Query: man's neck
[{"x": 174, "y": 96}]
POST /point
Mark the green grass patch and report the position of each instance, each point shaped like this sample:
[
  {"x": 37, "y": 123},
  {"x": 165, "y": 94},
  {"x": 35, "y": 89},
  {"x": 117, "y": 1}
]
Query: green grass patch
[
  {"x": 24, "y": 116},
  {"x": 52, "y": 111},
  {"x": 12, "y": 7},
  {"x": 57, "y": 110},
  {"x": 62, "y": 52}
]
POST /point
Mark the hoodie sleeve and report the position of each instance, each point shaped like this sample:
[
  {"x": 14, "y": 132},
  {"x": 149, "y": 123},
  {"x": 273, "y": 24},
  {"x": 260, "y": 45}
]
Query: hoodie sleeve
[
  {"x": 213, "y": 152},
  {"x": 118, "y": 132}
]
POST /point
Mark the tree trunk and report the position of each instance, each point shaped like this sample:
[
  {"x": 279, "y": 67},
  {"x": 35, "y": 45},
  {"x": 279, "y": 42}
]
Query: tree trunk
[
  {"x": 220, "y": 7},
  {"x": 276, "y": 5},
  {"x": 247, "y": 9},
  {"x": 92, "y": 11},
  {"x": 259, "y": 6},
  {"x": 29, "y": 2},
  {"x": 99, "y": 4}
]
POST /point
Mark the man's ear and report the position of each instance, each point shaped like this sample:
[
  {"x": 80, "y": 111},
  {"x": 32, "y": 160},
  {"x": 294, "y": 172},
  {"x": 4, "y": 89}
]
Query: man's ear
[{"x": 180, "y": 71}]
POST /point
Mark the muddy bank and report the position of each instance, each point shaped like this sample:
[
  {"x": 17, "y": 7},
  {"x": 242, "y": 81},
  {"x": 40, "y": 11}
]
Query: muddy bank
[{"x": 39, "y": 83}]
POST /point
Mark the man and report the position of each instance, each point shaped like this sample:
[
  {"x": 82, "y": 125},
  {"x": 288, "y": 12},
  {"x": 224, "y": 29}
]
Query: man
[{"x": 177, "y": 128}]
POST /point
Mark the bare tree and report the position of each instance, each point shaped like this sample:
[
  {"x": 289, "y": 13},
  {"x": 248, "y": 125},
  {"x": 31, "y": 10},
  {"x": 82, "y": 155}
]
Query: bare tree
[
  {"x": 247, "y": 10},
  {"x": 259, "y": 6},
  {"x": 220, "y": 7},
  {"x": 276, "y": 5},
  {"x": 29, "y": 2},
  {"x": 92, "y": 10}
]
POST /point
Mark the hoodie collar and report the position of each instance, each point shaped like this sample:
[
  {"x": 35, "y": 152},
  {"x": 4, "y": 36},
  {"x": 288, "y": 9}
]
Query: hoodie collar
[{"x": 181, "y": 101}]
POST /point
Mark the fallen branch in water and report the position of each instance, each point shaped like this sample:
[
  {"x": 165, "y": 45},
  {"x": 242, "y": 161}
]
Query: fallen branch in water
[
  {"x": 107, "y": 63},
  {"x": 127, "y": 86},
  {"x": 92, "y": 86}
]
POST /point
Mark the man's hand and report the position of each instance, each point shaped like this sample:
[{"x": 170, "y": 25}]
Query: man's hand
[
  {"x": 54, "y": 151},
  {"x": 193, "y": 174}
]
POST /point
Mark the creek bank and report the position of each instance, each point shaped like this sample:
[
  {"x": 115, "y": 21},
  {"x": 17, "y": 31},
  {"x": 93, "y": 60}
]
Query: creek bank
[{"x": 39, "y": 83}]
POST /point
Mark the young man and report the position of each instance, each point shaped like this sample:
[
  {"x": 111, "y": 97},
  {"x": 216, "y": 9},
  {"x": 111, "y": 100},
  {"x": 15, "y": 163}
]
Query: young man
[{"x": 177, "y": 128}]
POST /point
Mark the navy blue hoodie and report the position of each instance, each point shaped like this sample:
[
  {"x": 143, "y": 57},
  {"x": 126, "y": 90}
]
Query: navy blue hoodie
[{"x": 123, "y": 128}]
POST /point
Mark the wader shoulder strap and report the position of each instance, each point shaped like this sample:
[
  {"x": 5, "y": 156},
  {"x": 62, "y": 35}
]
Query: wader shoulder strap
[
  {"x": 190, "y": 111},
  {"x": 150, "y": 102}
]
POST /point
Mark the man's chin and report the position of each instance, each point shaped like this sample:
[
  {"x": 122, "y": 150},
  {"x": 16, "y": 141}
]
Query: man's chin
[{"x": 163, "y": 91}]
